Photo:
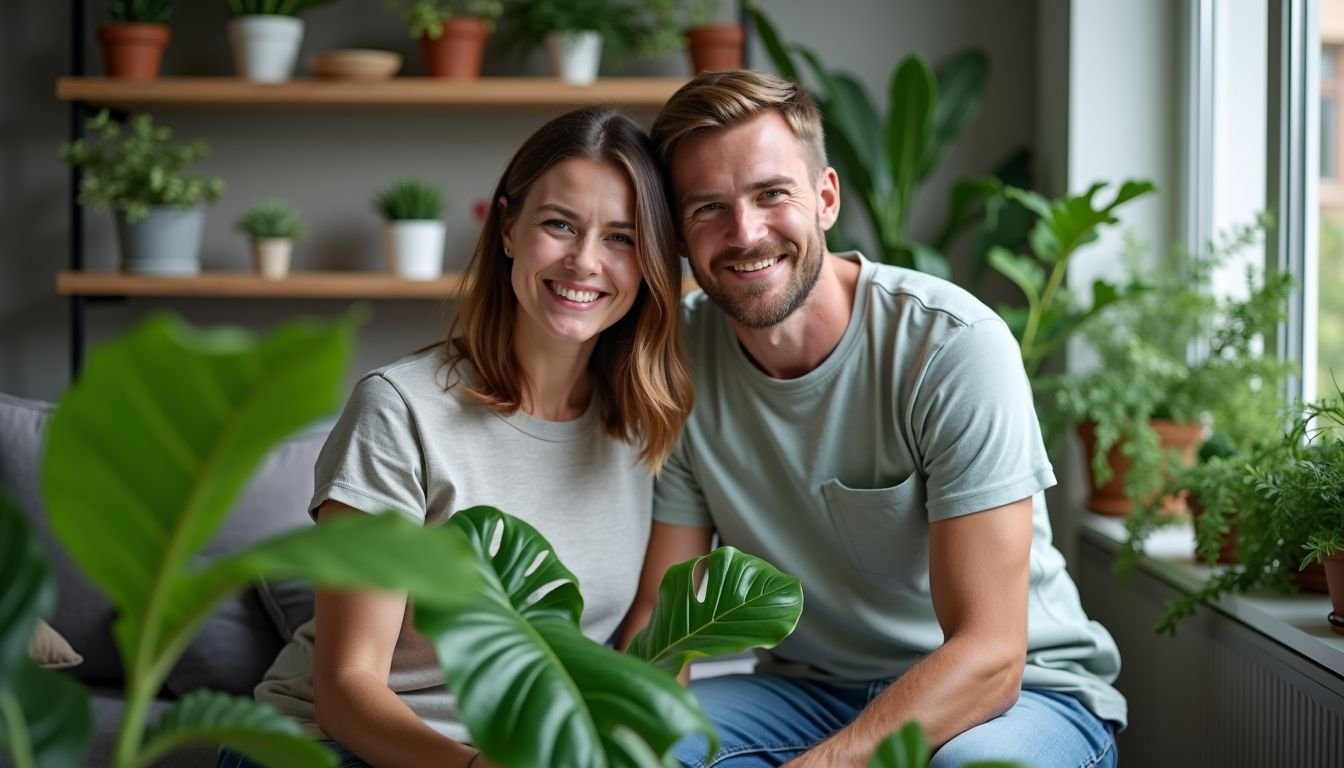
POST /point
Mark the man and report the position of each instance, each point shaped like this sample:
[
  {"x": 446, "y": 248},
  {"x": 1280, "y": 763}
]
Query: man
[{"x": 869, "y": 429}]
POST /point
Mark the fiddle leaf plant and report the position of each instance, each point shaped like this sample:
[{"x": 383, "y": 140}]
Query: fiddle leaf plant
[{"x": 534, "y": 690}]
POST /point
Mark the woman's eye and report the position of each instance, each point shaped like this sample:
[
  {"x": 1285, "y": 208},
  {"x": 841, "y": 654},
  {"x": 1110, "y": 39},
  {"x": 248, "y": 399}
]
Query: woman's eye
[
  {"x": 707, "y": 208},
  {"x": 623, "y": 238},
  {"x": 559, "y": 224}
]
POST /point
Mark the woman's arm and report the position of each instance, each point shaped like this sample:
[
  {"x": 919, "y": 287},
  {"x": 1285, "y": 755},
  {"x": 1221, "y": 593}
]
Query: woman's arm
[{"x": 356, "y": 635}]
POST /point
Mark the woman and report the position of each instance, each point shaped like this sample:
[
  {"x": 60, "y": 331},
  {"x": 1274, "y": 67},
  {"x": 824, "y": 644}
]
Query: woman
[{"x": 559, "y": 392}]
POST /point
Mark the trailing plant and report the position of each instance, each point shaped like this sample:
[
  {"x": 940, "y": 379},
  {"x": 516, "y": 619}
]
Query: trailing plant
[
  {"x": 140, "y": 11},
  {"x": 1053, "y": 314},
  {"x": 409, "y": 200},
  {"x": 425, "y": 18},
  {"x": 626, "y": 27},
  {"x": 1145, "y": 371},
  {"x": 272, "y": 219},
  {"x": 885, "y": 160},
  {"x": 134, "y": 168},
  {"x": 142, "y": 466},
  {"x": 272, "y": 7}
]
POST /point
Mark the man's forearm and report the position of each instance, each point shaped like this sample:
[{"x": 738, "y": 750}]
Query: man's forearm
[{"x": 957, "y": 687}]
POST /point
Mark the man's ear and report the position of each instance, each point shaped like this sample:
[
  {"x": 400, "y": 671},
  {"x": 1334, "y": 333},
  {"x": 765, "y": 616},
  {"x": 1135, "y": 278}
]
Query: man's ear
[{"x": 828, "y": 198}]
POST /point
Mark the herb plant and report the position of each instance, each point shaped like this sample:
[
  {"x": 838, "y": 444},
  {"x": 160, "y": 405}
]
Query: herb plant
[
  {"x": 409, "y": 200},
  {"x": 272, "y": 7},
  {"x": 425, "y": 18},
  {"x": 272, "y": 219},
  {"x": 140, "y": 11}
]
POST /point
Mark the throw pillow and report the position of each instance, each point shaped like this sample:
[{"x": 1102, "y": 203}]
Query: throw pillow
[{"x": 50, "y": 650}]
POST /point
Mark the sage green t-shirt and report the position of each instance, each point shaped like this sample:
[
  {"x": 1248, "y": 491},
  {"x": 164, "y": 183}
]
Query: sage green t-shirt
[
  {"x": 923, "y": 412},
  {"x": 403, "y": 443}
]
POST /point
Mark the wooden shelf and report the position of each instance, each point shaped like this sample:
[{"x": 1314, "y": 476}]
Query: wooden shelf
[
  {"x": 248, "y": 285},
  {"x": 398, "y": 94}
]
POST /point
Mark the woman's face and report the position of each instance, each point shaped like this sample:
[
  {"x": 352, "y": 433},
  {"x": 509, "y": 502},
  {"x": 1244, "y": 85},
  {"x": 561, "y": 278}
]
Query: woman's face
[{"x": 575, "y": 267}]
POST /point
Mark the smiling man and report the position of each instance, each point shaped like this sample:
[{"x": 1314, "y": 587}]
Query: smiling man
[{"x": 871, "y": 430}]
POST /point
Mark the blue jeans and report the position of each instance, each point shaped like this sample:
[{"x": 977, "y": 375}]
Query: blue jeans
[
  {"x": 767, "y": 720},
  {"x": 345, "y": 758}
]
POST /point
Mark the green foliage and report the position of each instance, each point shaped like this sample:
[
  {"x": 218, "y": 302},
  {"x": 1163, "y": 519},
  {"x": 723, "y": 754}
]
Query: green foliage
[
  {"x": 699, "y": 12},
  {"x": 907, "y": 748},
  {"x": 44, "y": 717},
  {"x": 272, "y": 218},
  {"x": 747, "y": 604},
  {"x": 409, "y": 200},
  {"x": 571, "y": 701},
  {"x": 1145, "y": 372},
  {"x": 1052, "y": 314},
  {"x": 140, "y": 11},
  {"x": 272, "y": 7},
  {"x": 648, "y": 29},
  {"x": 883, "y": 161},
  {"x": 425, "y": 18},
  {"x": 132, "y": 171},
  {"x": 1307, "y": 493}
]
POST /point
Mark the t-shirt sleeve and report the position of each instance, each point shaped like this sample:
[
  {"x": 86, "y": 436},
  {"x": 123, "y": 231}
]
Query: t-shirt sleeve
[
  {"x": 975, "y": 424},
  {"x": 677, "y": 498},
  {"x": 372, "y": 460}
]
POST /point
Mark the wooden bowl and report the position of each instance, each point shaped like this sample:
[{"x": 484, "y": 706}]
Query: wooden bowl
[{"x": 355, "y": 64}]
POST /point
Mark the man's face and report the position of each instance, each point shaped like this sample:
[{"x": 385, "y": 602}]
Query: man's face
[{"x": 753, "y": 217}]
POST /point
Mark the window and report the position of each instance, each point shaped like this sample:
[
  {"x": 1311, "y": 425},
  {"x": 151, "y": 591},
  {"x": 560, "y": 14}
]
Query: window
[{"x": 1330, "y": 262}]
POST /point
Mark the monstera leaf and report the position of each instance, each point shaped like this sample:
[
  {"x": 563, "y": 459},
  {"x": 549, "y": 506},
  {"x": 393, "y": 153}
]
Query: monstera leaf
[
  {"x": 907, "y": 748},
  {"x": 747, "y": 603},
  {"x": 532, "y": 689},
  {"x": 254, "y": 729}
]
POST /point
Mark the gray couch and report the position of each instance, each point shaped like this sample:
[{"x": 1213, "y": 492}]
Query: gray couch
[{"x": 236, "y": 644}]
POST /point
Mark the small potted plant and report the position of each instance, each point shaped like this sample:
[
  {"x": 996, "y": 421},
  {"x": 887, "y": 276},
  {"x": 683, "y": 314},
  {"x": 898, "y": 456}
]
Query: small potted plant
[
  {"x": 414, "y": 233},
  {"x": 711, "y": 43},
  {"x": 1143, "y": 411},
  {"x": 452, "y": 33},
  {"x": 273, "y": 226},
  {"x": 576, "y": 33},
  {"x": 135, "y": 37},
  {"x": 140, "y": 173},
  {"x": 265, "y": 36}
]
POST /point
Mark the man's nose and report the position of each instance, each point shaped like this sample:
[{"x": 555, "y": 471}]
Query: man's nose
[{"x": 748, "y": 227}]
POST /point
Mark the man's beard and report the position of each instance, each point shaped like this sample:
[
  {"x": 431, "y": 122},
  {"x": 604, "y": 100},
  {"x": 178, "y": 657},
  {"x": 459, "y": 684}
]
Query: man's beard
[{"x": 748, "y": 303}]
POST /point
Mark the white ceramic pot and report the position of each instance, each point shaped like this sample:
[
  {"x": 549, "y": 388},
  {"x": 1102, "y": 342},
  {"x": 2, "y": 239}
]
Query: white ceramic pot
[
  {"x": 265, "y": 47},
  {"x": 270, "y": 256},
  {"x": 415, "y": 249},
  {"x": 574, "y": 56}
]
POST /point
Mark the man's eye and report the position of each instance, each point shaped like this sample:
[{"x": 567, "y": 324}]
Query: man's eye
[
  {"x": 708, "y": 208},
  {"x": 775, "y": 194}
]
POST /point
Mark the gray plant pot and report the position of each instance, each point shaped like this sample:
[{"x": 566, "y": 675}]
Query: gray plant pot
[{"x": 166, "y": 242}]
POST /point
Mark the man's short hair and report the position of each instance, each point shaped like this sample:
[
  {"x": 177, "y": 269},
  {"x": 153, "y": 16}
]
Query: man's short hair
[{"x": 717, "y": 100}]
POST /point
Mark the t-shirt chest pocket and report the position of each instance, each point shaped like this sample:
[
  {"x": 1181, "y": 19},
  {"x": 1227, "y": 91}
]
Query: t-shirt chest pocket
[{"x": 884, "y": 530}]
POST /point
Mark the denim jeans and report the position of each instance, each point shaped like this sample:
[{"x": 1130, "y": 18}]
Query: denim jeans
[
  {"x": 767, "y": 720},
  {"x": 345, "y": 758}
]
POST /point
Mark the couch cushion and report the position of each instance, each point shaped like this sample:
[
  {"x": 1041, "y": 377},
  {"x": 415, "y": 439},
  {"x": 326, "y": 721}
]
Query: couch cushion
[
  {"x": 234, "y": 645},
  {"x": 50, "y": 650}
]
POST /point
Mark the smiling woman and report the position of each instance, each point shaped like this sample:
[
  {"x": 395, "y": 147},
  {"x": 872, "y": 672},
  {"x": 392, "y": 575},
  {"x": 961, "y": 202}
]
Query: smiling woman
[{"x": 558, "y": 393}]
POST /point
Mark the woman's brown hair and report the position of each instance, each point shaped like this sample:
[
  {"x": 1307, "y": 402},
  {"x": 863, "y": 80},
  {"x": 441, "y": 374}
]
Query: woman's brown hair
[{"x": 638, "y": 367}]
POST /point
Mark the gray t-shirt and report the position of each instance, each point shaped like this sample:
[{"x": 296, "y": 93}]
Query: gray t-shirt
[
  {"x": 922, "y": 413},
  {"x": 403, "y": 443}
]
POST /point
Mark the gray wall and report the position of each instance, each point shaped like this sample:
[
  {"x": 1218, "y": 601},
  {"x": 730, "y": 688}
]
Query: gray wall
[{"x": 328, "y": 164}]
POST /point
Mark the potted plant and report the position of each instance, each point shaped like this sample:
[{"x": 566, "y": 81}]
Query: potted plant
[
  {"x": 452, "y": 33},
  {"x": 273, "y": 226},
  {"x": 1142, "y": 412},
  {"x": 135, "y": 37},
  {"x": 142, "y": 175},
  {"x": 414, "y": 231},
  {"x": 467, "y": 584},
  {"x": 712, "y": 44},
  {"x": 576, "y": 33},
  {"x": 265, "y": 36}
]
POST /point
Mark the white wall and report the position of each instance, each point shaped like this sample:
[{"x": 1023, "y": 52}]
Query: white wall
[{"x": 328, "y": 164}]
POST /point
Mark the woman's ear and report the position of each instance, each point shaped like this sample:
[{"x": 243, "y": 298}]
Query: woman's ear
[{"x": 504, "y": 234}]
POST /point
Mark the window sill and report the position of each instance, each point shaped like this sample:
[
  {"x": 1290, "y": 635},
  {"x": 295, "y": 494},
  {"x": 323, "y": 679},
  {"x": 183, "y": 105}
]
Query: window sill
[{"x": 1296, "y": 621}]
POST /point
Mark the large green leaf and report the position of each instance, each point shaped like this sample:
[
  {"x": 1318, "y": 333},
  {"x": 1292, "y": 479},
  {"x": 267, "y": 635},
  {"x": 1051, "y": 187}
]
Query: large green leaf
[
  {"x": 531, "y": 688},
  {"x": 961, "y": 83},
  {"x": 256, "y": 730},
  {"x": 747, "y": 604},
  {"x": 1022, "y": 270},
  {"x": 27, "y": 592},
  {"x": 774, "y": 45},
  {"x": 906, "y": 748},
  {"x": 909, "y": 129},
  {"x": 44, "y": 715},
  {"x": 148, "y": 451}
]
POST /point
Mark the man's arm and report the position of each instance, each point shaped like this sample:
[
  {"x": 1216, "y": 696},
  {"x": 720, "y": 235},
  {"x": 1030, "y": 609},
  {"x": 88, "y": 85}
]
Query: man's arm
[
  {"x": 978, "y": 572},
  {"x": 668, "y": 545}
]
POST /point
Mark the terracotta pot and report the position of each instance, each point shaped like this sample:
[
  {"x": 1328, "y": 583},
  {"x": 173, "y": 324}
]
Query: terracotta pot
[
  {"x": 1334, "y": 576},
  {"x": 1110, "y": 498},
  {"x": 133, "y": 51},
  {"x": 1228, "y": 552},
  {"x": 457, "y": 53},
  {"x": 715, "y": 46},
  {"x": 1311, "y": 578}
]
